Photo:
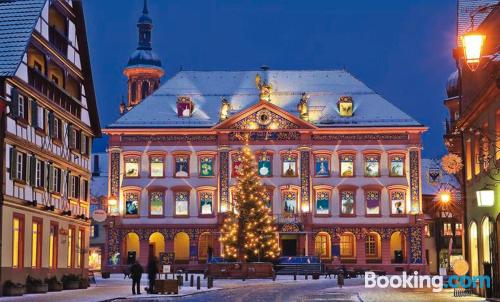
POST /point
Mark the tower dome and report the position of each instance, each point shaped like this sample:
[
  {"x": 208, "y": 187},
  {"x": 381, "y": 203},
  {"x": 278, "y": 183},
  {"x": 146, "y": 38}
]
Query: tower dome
[
  {"x": 143, "y": 69},
  {"x": 453, "y": 85}
]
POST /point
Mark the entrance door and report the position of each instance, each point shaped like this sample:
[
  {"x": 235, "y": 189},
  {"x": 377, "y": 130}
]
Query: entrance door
[{"x": 289, "y": 247}]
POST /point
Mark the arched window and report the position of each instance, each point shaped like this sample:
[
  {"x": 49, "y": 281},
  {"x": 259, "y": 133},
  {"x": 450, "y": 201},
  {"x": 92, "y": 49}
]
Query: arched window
[
  {"x": 486, "y": 232},
  {"x": 181, "y": 246},
  {"x": 131, "y": 248},
  {"x": 133, "y": 92},
  {"x": 398, "y": 247},
  {"x": 372, "y": 245},
  {"x": 156, "y": 244},
  {"x": 474, "y": 257},
  {"x": 205, "y": 246},
  {"x": 322, "y": 245},
  {"x": 347, "y": 245}
]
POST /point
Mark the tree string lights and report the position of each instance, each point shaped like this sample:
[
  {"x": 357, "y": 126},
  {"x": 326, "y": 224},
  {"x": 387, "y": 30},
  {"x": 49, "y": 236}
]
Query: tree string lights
[{"x": 249, "y": 232}]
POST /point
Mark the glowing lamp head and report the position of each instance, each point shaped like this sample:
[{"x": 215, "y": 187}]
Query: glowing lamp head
[
  {"x": 445, "y": 197},
  {"x": 473, "y": 45},
  {"x": 112, "y": 205},
  {"x": 485, "y": 197}
]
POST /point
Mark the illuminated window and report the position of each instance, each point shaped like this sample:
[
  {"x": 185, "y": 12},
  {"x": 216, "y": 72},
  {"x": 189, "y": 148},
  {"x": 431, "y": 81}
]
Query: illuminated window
[
  {"x": 181, "y": 166},
  {"x": 265, "y": 165},
  {"x": 78, "y": 249},
  {"x": 156, "y": 203},
  {"x": 447, "y": 231},
  {"x": 206, "y": 202},
  {"x": 398, "y": 202},
  {"x": 372, "y": 165},
  {"x": 205, "y": 246},
  {"x": 17, "y": 242},
  {"x": 206, "y": 166},
  {"x": 269, "y": 197},
  {"x": 290, "y": 202},
  {"x": 236, "y": 162},
  {"x": 347, "y": 202},
  {"x": 477, "y": 165},
  {"x": 55, "y": 180},
  {"x": 322, "y": 244},
  {"x": 185, "y": 106},
  {"x": 132, "y": 166},
  {"x": 289, "y": 163},
  {"x": 397, "y": 166},
  {"x": 53, "y": 246},
  {"x": 468, "y": 159},
  {"x": 371, "y": 245},
  {"x": 373, "y": 203},
  {"x": 182, "y": 203},
  {"x": 346, "y": 165},
  {"x": 346, "y": 245},
  {"x": 131, "y": 203},
  {"x": 322, "y": 202},
  {"x": 156, "y": 166},
  {"x": 70, "y": 250},
  {"x": 322, "y": 165},
  {"x": 36, "y": 245},
  {"x": 427, "y": 231},
  {"x": 458, "y": 229},
  {"x": 345, "y": 106}
]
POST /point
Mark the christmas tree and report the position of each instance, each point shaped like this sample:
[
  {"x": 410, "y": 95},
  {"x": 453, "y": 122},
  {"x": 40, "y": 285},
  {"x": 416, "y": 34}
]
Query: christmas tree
[{"x": 249, "y": 231}]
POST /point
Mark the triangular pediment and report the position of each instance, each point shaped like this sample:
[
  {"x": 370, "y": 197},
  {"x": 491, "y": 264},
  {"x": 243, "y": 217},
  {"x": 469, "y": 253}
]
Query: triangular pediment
[{"x": 264, "y": 116}]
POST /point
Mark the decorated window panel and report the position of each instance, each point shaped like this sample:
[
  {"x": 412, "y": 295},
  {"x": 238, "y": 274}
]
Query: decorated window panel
[
  {"x": 373, "y": 203},
  {"x": 322, "y": 165},
  {"x": 372, "y": 165},
  {"x": 289, "y": 165},
  {"x": 322, "y": 202},
  {"x": 132, "y": 166},
  {"x": 181, "y": 166},
  {"x": 206, "y": 166},
  {"x": 236, "y": 162},
  {"x": 131, "y": 203},
  {"x": 347, "y": 203},
  {"x": 265, "y": 164},
  {"x": 290, "y": 202},
  {"x": 206, "y": 203},
  {"x": 268, "y": 201},
  {"x": 157, "y": 166},
  {"x": 182, "y": 203},
  {"x": 346, "y": 165},
  {"x": 156, "y": 206},
  {"x": 396, "y": 167},
  {"x": 458, "y": 229},
  {"x": 398, "y": 202}
]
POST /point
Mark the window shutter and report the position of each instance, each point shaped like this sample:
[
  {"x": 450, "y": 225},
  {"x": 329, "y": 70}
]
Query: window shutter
[
  {"x": 51, "y": 124},
  {"x": 25, "y": 165},
  {"x": 69, "y": 186},
  {"x": 13, "y": 163},
  {"x": 59, "y": 180},
  {"x": 42, "y": 174},
  {"x": 14, "y": 101},
  {"x": 50, "y": 184},
  {"x": 34, "y": 114},
  {"x": 78, "y": 185},
  {"x": 70, "y": 136},
  {"x": 83, "y": 144},
  {"x": 32, "y": 178}
]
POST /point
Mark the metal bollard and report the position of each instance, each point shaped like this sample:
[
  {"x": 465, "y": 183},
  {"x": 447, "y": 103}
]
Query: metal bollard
[
  {"x": 295, "y": 276},
  {"x": 179, "y": 279},
  {"x": 191, "y": 282},
  {"x": 186, "y": 276},
  {"x": 198, "y": 283},
  {"x": 210, "y": 282},
  {"x": 306, "y": 276}
]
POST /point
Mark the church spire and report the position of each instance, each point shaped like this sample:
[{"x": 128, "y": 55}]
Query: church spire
[{"x": 145, "y": 25}]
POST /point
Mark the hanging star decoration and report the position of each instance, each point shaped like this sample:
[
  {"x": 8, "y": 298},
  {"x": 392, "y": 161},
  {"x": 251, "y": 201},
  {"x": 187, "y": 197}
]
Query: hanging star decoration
[{"x": 452, "y": 163}]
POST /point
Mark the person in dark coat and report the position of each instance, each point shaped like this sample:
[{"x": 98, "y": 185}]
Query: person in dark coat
[
  {"x": 152, "y": 272},
  {"x": 136, "y": 274}
]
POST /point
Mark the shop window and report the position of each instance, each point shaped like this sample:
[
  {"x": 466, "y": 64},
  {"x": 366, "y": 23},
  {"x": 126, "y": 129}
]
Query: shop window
[
  {"x": 71, "y": 246},
  {"x": 398, "y": 202},
  {"x": 372, "y": 165},
  {"x": 322, "y": 245},
  {"x": 373, "y": 202},
  {"x": 264, "y": 164},
  {"x": 156, "y": 203},
  {"x": 289, "y": 163},
  {"x": 346, "y": 165},
  {"x": 346, "y": 245},
  {"x": 53, "y": 245},
  {"x": 182, "y": 203},
  {"x": 396, "y": 166},
  {"x": 347, "y": 203},
  {"x": 132, "y": 203},
  {"x": 18, "y": 242},
  {"x": 181, "y": 166},
  {"x": 132, "y": 166},
  {"x": 156, "y": 166}
]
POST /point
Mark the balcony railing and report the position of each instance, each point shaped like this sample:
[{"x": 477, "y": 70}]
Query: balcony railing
[
  {"x": 58, "y": 40},
  {"x": 53, "y": 92}
]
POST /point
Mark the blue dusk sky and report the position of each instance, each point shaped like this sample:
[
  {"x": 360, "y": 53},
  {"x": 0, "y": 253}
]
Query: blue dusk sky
[{"x": 400, "y": 48}]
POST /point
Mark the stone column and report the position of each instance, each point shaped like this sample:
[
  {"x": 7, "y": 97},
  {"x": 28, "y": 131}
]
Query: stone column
[
  {"x": 305, "y": 178},
  {"x": 143, "y": 252},
  {"x": 223, "y": 178},
  {"x": 114, "y": 172},
  {"x": 360, "y": 251},
  {"x": 415, "y": 181},
  {"x": 386, "y": 250}
]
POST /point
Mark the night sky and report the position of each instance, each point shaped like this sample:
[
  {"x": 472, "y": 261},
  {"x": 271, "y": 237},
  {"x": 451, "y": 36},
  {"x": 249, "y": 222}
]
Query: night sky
[{"x": 400, "y": 49}]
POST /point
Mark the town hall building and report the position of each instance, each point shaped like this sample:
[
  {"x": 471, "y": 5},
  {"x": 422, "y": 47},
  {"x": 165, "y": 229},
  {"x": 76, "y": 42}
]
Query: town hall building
[{"x": 341, "y": 165}]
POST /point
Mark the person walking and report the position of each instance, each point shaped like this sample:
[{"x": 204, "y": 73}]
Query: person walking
[
  {"x": 152, "y": 272},
  {"x": 136, "y": 274},
  {"x": 340, "y": 278}
]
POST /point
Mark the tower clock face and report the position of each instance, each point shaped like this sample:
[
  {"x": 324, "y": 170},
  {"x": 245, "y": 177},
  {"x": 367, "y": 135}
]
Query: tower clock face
[
  {"x": 345, "y": 109},
  {"x": 264, "y": 117}
]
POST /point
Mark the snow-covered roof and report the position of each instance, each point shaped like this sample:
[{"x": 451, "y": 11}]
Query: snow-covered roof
[
  {"x": 99, "y": 181},
  {"x": 207, "y": 88},
  {"x": 446, "y": 181}
]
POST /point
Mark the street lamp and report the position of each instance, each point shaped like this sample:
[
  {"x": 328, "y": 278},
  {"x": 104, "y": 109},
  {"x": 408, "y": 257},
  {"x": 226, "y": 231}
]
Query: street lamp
[
  {"x": 485, "y": 197},
  {"x": 445, "y": 197},
  {"x": 473, "y": 45},
  {"x": 112, "y": 205}
]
